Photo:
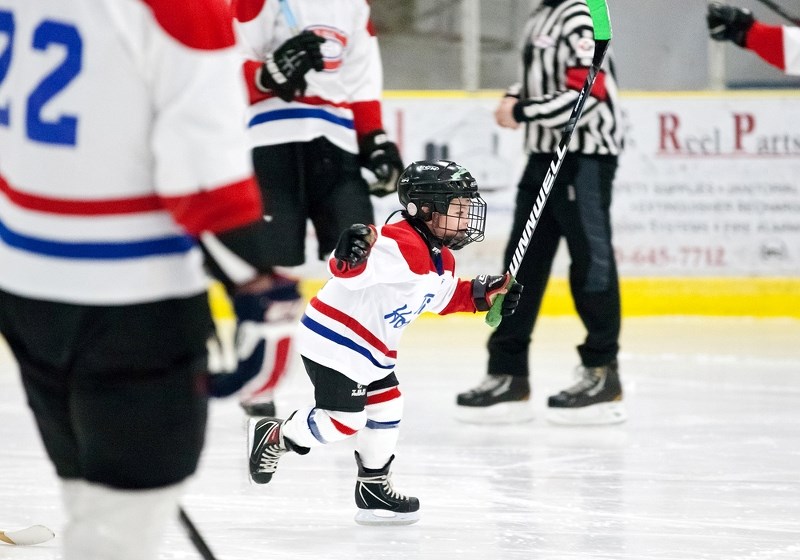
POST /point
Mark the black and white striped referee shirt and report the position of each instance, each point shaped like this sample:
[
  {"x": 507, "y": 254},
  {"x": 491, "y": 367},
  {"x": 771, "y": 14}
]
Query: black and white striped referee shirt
[{"x": 557, "y": 54}]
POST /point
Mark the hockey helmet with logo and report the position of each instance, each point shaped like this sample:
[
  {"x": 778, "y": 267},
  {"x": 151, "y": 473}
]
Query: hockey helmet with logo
[{"x": 426, "y": 188}]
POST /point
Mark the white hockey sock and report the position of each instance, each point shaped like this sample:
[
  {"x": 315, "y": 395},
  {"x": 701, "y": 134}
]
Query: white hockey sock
[
  {"x": 105, "y": 523},
  {"x": 312, "y": 427},
  {"x": 377, "y": 441}
]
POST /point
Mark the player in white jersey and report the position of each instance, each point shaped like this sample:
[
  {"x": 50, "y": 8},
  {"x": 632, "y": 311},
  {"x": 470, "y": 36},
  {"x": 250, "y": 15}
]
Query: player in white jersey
[
  {"x": 778, "y": 45},
  {"x": 315, "y": 79},
  {"x": 122, "y": 161},
  {"x": 381, "y": 281}
]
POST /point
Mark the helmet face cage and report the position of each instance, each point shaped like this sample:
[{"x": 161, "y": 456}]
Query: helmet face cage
[
  {"x": 428, "y": 187},
  {"x": 476, "y": 223}
]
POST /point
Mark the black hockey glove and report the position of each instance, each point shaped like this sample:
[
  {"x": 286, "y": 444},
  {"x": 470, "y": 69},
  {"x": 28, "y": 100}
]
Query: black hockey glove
[
  {"x": 284, "y": 70},
  {"x": 729, "y": 23},
  {"x": 486, "y": 288},
  {"x": 382, "y": 157},
  {"x": 354, "y": 246}
]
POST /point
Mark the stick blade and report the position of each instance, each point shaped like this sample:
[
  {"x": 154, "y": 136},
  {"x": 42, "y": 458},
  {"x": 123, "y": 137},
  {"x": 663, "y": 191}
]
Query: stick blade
[{"x": 35, "y": 534}]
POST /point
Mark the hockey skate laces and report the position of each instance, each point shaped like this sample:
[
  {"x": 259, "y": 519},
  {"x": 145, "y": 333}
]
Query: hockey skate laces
[
  {"x": 386, "y": 483},
  {"x": 487, "y": 384},
  {"x": 269, "y": 458},
  {"x": 587, "y": 378}
]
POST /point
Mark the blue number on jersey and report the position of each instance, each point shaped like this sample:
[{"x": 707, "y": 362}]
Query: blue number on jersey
[{"x": 63, "y": 129}]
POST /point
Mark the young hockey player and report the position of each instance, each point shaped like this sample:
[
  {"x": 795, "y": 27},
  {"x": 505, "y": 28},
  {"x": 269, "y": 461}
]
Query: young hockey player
[{"x": 381, "y": 281}]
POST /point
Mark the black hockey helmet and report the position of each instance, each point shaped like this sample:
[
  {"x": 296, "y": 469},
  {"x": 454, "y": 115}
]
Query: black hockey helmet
[{"x": 428, "y": 187}]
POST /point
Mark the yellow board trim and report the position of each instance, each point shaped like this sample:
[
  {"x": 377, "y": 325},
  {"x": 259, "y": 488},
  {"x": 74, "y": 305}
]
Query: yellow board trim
[{"x": 745, "y": 297}]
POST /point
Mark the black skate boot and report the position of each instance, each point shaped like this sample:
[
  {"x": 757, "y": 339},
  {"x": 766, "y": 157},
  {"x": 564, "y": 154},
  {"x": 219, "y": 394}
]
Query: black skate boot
[
  {"x": 595, "y": 399},
  {"x": 499, "y": 399},
  {"x": 378, "y": 502},
  {"x": 267, "y": 446}
]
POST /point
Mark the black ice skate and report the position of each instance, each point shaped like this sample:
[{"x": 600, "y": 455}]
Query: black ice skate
[
  {"x": 266, "y": 446},
  {"x": 378, "y": 502},
  {"x": 595, "y": 399},
  {"x": 498, "y": 399}
]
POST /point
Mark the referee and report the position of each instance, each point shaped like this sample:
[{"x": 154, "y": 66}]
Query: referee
[{"x": 556, "y": 57}]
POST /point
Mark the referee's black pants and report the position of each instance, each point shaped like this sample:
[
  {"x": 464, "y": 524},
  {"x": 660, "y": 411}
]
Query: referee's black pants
[{"x": 578, "y": 210}]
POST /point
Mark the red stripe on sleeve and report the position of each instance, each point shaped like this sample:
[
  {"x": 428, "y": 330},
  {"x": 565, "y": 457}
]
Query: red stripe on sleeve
[
  {"x": 366, "y": 117},
  {"x": 347, "y": 272},
  {"x": 767, "y": 42},
  {"x": 577, "y": 76},
  {"x": 217, "y": 210}
]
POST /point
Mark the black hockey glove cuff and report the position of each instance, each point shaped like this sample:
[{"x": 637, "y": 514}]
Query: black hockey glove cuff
[
  {"x": 382, "y": 157},
  {"x": 729, "y": 23},
  {"x": 284, "y": 71},
  {"x": 354, "y": 246},
  {"x": 486, "y": 288}
]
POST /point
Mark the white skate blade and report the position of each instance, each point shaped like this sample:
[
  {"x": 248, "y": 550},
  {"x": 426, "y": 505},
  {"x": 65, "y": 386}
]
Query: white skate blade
[
  {"x": 35, "y": 534},
  {"x": 385, "y": 517},
  {"x": 250, "y": 427},
  {"x": 500, "y": 413},
  {"x": 594, "y": 415}
]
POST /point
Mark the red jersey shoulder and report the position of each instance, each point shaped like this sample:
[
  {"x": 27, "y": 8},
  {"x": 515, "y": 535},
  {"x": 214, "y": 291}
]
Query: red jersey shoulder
[
  {"x": 448, "y": 260},
  {"x": 411, "y": 245},
  {"x": 198, "y": 24},
  {"x": 246, "y": 10}
]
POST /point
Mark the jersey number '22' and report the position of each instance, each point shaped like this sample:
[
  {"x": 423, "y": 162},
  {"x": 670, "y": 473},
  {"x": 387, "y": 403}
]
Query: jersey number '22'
[{"x": 63, "y": 129}]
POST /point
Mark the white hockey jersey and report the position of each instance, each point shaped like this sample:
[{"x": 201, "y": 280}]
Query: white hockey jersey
[
  {"x": 341, "y": 103},
  {"x": 111, "y": 163},
  {"x": 355, "y": 322}
]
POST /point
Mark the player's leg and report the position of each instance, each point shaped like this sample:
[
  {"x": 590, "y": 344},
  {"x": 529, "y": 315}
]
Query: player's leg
[
  {"x": 596, "y": 398},
  {"x": 338, "y": 413},
  {"x": 281, "y": 176},
  {"x": 123, "y": 418},
  {"x": 376, "y": 498},
  {"x": 341, "y": 197},
  {"x": 105, "y": 522}
]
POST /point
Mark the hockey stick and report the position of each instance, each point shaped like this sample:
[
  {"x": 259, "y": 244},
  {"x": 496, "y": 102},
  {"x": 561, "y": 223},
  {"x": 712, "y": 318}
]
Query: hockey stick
[
  {"x": 36, "y": 534},
  {"x": 780, "y": 11},
  {"x": 602, "y": 36},
  {"x": 194, "y": 535},
  {"x": 288, "y": 15}
]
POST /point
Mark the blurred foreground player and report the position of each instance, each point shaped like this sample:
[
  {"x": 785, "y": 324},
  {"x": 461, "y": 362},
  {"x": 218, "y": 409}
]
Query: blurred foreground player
[
  {"x": 123, "y": 160},
  {"x": 381, "y": 281}
]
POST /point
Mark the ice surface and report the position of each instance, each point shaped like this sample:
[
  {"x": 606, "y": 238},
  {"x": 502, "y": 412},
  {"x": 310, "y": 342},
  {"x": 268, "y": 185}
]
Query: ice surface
[{"x": 706, "y": 468}]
